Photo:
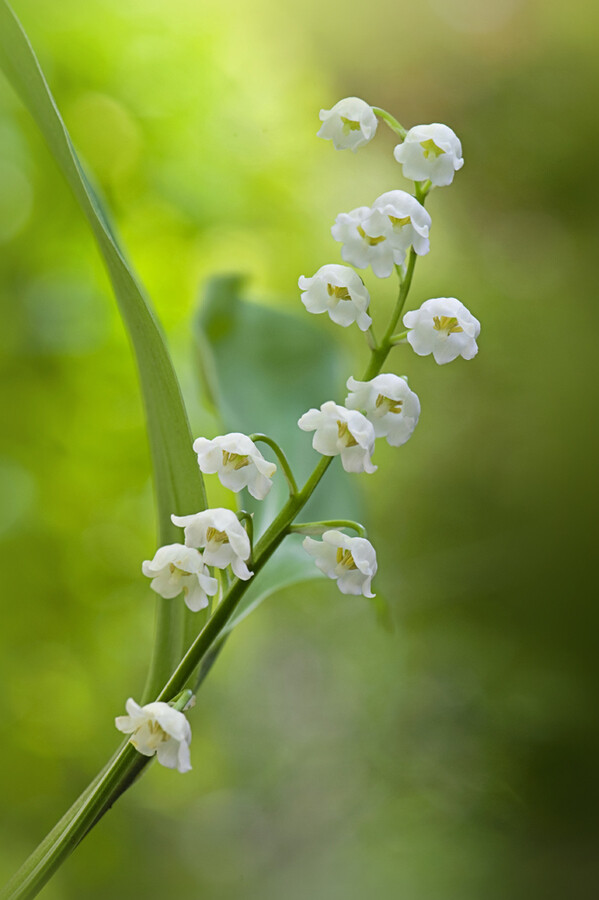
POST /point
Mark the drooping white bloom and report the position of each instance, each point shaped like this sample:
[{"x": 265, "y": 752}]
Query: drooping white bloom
[
  {"x": 410, "y": 222},
  {"x": 388, "y": 403},
  {"x": 223, "y": 537},
  {"x": 351, "y": 560},
  {"x": 339, "y": 291},
  {"x": 431, "y": 152},
  {"x": 177, "y": 568},
  {"x": 381, "y": 235},
  {"x": 444, "y": 327},
  {"x": 350, "y": 124},
  {"x": 237, "y": 461},
  {"x": 338, "y": 430},
  {"x": 364, "y": 246},
  {"x": 158, "y": 729}
]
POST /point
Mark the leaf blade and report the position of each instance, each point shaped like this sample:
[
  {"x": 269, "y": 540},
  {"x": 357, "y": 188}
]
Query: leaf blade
[{"x": 178, "y": 484}]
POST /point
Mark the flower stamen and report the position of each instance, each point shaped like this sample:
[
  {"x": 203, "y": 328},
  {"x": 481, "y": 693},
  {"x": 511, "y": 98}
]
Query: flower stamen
[
  {"x": 393, "y": 406},
  {"x": 340, "y": 293},
  {"x": 175, "y": 569},
  {"x": 448, "y": 324},
  {"x": 349, "y": 125},
  {"x": 431, "y": 149},
  {"x": 219, "y": 537},
  {"x": 345, "y": 434},
  {"x": 345, "y": 559},
  {"x": 234, "y": 460},
  {"x": 395, "y": 221},
  {"x": 372, "y": 241}
]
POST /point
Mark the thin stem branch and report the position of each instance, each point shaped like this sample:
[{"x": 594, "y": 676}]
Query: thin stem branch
[
  {"x": 320, "y": 527},
  {"x": 265, "y": 439},
  {"x": 379, "y": 355},
  {"x": 248, "y": 519},
  {"x": 391, "y": 121}
]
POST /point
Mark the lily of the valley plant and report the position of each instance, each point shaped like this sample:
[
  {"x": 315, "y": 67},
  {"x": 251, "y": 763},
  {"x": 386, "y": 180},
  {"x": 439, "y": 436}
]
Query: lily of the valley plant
[{"x": 207, "y": 557}]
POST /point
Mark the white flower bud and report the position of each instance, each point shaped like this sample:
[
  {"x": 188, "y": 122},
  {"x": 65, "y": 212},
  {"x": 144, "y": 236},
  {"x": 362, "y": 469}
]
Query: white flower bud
[
  {"x": 431, "y": 152},
  {"x": 444, "y": 327},
  {"x": 350, "y": 124},
  {"x": 340, "y": 292},
  {"x": 388, "y": 403},
  {"x": 350, "y": 560}
]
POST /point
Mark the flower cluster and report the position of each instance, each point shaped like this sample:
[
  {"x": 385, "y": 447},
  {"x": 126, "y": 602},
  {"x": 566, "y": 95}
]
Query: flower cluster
[
  {"x": 381, "y": 235},
  {"x": 387, "y": 237},
  {"x": 214, "y": 540}
]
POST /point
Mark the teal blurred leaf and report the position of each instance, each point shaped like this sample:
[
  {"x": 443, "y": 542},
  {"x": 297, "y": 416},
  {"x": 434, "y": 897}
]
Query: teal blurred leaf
[
  {"x": 262, "y": 369},
  {"x": 178, "y": 483}
]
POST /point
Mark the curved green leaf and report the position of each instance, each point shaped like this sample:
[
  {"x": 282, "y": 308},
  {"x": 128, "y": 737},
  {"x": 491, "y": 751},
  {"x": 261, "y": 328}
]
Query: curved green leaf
[
  {"x": 262, "y": 369},
  {"x": 178, "y": 483}
]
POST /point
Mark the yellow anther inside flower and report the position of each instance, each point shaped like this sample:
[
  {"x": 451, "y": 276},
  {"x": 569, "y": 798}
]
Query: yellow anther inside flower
[
  {"x": 157, "y": 736},
  {"x": 345, "y": 434},
  {"x": 173, "y": 568},
  {"x": 219, "y": 537},
  {"x": 345, "y": 559},
  {"x": 448, "y": 324},
  {"x": 392, "y": 406},
  {"x": 373, "y": 241},
  {"x": 235, "y": 460},
  {"x": 430, "y": 149},
  {"x": 339, "y": 293},
  {"x": 349, "y": 125},
  {"x": 395, "y": 221}
]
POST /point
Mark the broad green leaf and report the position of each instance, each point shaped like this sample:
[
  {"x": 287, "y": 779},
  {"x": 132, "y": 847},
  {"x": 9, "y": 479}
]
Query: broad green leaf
[
  {"x": 178, "y": 483},
  {"x": 263, "y": 368}
]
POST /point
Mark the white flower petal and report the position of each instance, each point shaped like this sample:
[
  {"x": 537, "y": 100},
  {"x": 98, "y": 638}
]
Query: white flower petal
[
  {"x": 431, "y": 152},
  {"x": 388, "y": 403},
  {"x": 235, "y": 458},
  {"x": 444, "y": 327},
  {"x": 341, "y": 431},
  {"x": 350, "y": 124},
  {"x": 159, "y": 729},
  {"x": 337, "y": 290},
  {"x": 351, "y": 561}
]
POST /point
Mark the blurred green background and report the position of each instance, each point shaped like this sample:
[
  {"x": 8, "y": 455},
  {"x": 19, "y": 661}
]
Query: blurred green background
[{"x": 455, "y": 758}]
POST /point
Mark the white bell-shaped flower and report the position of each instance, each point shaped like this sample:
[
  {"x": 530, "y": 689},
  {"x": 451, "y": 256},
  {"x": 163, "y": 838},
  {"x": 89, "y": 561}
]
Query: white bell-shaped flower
[
  {"x": 338, "y": 291},
  {"x": 380, "y": 236},
  {"x": 237, "y": 461},
  {"x": 158, "y": 729},
  {"x": 409, "y": 220},
  {"x": 364, "y": 245},
  {"x": 444, "y": 327},
  {"x": 341, "y": 431},
  {"x": 350, "y": 560},
  {"x": 177, "y": 568},
  {"x": 388, "y": 403},
  {"x": 350, "y": 124},
  {"x": 432, "y": 152},
  {"x": 222, "y": 536}
]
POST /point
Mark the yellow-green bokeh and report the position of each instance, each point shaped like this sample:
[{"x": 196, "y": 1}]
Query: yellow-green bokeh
[{"x": 455, "y": 758}]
